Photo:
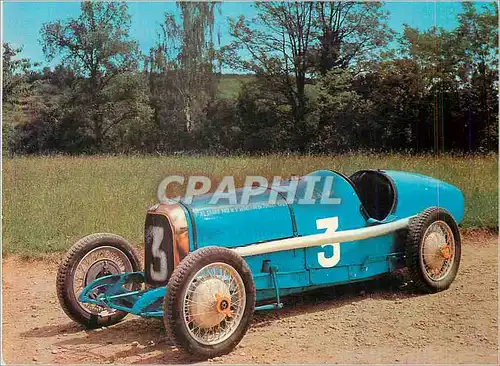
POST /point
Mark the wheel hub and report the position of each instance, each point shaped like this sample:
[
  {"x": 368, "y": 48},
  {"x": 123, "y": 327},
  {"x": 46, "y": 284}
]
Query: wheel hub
[
  {"x": 446, "y": 252},
  {"x": 99, "y": 262},
  {"x": 101, "y": 268},
  {"x": 210, "y": 303},
  {"x": 436, "y": 251},
  {"x": 223, "y": 304}
]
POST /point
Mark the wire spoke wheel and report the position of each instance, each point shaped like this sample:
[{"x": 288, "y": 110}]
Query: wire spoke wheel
[
  {"x": 90, "y": 258},
  {"x": 437, "y": 250},
  {"x": 209, "y": 302},
  {"x": 214, "y": 302},
  {"x": 433, "y": 250},
  {"x": 99, "y": 262}
]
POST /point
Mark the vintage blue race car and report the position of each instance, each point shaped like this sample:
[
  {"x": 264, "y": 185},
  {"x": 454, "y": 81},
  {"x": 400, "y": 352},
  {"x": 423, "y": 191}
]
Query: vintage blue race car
[{"x": 209, "y": 267}]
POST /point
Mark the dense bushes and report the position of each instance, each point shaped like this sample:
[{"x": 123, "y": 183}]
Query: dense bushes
[{"x": 322, "y": 99}]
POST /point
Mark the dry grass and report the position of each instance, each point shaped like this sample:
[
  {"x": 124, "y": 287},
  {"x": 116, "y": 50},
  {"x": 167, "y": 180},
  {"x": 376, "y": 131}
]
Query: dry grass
[{"x": 49, "y": 202}]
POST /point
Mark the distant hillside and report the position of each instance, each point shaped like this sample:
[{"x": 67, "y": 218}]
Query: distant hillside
[{"x": 230, "y": 85}]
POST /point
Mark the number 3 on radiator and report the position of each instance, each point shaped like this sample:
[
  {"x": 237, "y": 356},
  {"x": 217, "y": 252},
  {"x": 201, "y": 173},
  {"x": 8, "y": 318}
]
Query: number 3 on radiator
[
  {"x": 158, "y": 253},
  {"x": 331, "y": 224}
]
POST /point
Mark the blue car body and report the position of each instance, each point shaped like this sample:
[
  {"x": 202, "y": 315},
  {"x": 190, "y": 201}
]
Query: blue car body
[{"x": 368, "y": 198}]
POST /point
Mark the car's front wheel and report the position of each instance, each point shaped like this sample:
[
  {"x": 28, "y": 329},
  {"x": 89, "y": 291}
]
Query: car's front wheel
[
  {"x": 209, "y": 302},
  {"x": 433, "y": 250},
  {"x": 89, "y": 258}
]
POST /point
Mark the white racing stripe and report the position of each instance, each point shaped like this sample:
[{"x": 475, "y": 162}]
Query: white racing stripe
[{"x": 320, "y": 239}]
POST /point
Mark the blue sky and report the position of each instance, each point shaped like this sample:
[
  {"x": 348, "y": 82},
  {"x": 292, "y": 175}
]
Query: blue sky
[{"x": 22, "y": 20}]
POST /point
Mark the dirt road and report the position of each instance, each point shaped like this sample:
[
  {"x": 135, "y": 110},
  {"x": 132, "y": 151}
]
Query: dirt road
[{"x": 373, "y": 322}]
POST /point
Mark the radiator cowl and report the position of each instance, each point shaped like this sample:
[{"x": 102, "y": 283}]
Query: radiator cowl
[
  {"x": 166, "y": 242},
  {"x": 157, "y": 231}
]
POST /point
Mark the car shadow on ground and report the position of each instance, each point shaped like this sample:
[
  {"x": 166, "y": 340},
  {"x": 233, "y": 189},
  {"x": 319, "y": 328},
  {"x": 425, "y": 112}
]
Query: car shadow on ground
[
  {"x": 389, "y": 287},
  {"x": 53, "y": 330},
  {"x": 136, "y": 338},
  {"x": 145, "y": 340}
]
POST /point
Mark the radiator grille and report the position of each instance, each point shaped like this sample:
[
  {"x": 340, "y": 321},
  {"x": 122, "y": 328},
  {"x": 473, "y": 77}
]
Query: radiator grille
[{"x": 158, "y": 250}]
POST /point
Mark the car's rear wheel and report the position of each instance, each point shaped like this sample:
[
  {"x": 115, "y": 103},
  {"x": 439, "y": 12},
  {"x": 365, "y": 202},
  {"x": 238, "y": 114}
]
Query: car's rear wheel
[
  {"x": 91, "y": 257},
  {"x": 209, "y": 302},
  {"x": 433, "y": 250}
]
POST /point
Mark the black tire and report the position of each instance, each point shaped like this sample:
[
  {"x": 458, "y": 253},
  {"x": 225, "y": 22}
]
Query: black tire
[
  {"x": 414, "y": 257},
  {"x": 173, "y": 305},
  {"x": 65, "y": 275}
]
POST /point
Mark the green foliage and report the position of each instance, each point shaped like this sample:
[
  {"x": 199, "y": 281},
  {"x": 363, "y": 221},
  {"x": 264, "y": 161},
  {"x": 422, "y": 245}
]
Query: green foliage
[
  {"x": 458, "y": 70},
  {"x": 16, "y": 88},
  {"x": 49, "y": 203},
  {"x": 181, "y": 66},
  {"x": 477, "y": 44},
  {"x": 96, "y": 45},
  {"x": 339, "y": 116},
  {"x": 287, "y": 42},
  {"x": 348, "y": 34},
  {"x": 264, "y": 115},
  {"x": 322, "y": 80},
  {"x": 220, "y": 132},
  {"x": 14, "y": 75}
]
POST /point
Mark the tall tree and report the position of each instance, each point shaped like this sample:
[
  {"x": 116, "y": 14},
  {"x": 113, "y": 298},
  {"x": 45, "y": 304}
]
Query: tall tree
[
  {"x": 349, "y": 32},
  {"x": 288, "y": 42},
  {"x": 456, "y": 73},
  {"x": 14, "y": 74},
  {"x": 343, "y": 115},
  {"x": 46, "y": 129},
  {"x": 276, "y": 47},
  {"x": 97, "y": 46},
  {"x": 184, "y": 61},
  {"x": 431, "y": 58},
  {"x": 476, "y": 41}
]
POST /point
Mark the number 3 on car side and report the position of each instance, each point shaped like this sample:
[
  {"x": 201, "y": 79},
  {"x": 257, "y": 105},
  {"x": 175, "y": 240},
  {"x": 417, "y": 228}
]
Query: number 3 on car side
[{"x": 331, "y": 224}]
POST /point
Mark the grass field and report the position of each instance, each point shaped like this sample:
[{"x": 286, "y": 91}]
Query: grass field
[
  {"x": 230, "y": 85},
  {"x": 49, "y": 202}
]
